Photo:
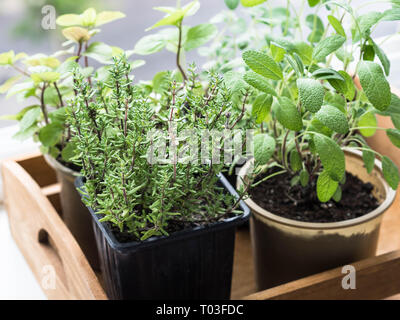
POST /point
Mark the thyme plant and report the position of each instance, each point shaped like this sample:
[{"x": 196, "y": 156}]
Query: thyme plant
[
  {"x": 117, "y": 128},
  {"x": 308, "y": 108}
]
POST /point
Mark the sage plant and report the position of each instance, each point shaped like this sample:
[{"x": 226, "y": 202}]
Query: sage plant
[{"x": 308, "y": 108}]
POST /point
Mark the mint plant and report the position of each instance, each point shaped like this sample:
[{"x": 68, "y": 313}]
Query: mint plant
[
  {"x": 308, "y": 109},
  {"x": 48, "y": 79},
  {"x": 116, "y": 126}
]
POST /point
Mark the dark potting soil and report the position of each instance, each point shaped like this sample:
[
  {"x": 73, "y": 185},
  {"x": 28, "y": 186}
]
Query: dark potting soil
[
  {"x": 173, "y": 226},
  {"x": 297, "y": 203}
]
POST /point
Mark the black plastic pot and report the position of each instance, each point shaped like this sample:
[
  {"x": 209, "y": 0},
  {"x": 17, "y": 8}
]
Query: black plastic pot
[{"x": 189, "y": 264}]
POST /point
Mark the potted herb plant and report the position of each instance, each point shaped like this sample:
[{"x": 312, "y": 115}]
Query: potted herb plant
[
  {"x": 164, "y": 225},
  {"x": 316, "y": 190},
  {"x": 47, "y": 81}
]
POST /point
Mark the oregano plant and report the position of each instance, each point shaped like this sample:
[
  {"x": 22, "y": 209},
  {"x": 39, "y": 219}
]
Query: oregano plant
[
  {"x": 178, "y": 38},
  {"x": 48, "y": 80},
  {"x": 307, "y": 106}
]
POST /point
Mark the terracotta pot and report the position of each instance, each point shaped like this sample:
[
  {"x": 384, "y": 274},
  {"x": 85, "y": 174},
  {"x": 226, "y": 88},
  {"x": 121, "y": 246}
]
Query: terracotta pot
[
  {"x": 285, "y": 250},
  {"x": 74, "y": 213}
]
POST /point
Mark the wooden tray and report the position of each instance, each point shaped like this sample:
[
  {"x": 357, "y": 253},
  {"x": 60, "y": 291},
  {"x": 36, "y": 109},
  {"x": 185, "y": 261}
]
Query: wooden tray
[{"x": 33, "y": 206}]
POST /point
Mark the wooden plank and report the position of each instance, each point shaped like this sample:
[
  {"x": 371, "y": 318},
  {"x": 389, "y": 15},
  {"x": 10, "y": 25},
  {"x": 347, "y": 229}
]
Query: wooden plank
[
  {"x": 376, "y": 278},
  {"x": 43, "y": 238},
  {"x": 38, "y": 168},
  {"x": 243, "y": 283}
]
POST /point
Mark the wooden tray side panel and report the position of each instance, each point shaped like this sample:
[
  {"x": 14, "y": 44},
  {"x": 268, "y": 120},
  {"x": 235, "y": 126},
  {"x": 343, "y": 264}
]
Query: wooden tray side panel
[
  {"x": 45, "y": 241},
  {"x": 376, "y": 278}
]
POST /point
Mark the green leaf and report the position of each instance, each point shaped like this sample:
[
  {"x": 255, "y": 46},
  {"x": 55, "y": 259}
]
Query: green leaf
[
  {"x": 337, "y": 25},
  {"x": 394, "y": 107},
  {"x": 382, "y": 57},
  {"x": 394, "y": 136},
  {"x": 319, "y": 127},
  {"x": 6, "y": 58},
  {"x": 391, "y": 14},
  {"x": 161, "y": 82},
  {"x": 48, "y": 77},
  {"x": 317, "y": 27},
  {"x": 173, "y": 18},
  {"x": 345, "y": 86},
  {"x": 304, "y": 178},
  {"x": 305, "y": 52},
  {"x": 264, "y": 147},
  {"x": 368, "y": 53},
  {"x": 390, "y": 172},
  {"x": 149, "y": 44},
  {"x": 374, "y": 84},
  {"x": 108, "y": 16},
  {"x": 311, "y": 94},
  {"x": 326, "y": 186},
  {"x": 50, "y": 134},
  {"x": 262, "y": 64},
  {"x": 313, "y": 3},
  {"x": 327, "y": 74},
  {"x": 68, "y": 152},
  {"x": 369, "y": 159},
  {"x": 76, "y": 34},
  {"x": 336, "y": 100},
  {"x": 288, "y": 115},
  {"x": 236, "y": 85},
  {"x": 338, "y": 194},
  {"x": 367, "y": 21},
  {"x": 332, "y": 157},
  {"x": 261, "y": 107},
  {"x": 22, "y": 135},
  {"x": 295, "y": 161},
  {"x": 333, "y": 118},
  {"x": 258, "y": 82},
  {"x": 59, "y": 115},
  {"x": 328, "y": 46},
  {"x": 9, "y": 83},
  {"x": 277, "y": 52},
  {"x": 200, "y": 35},
  {"x": 69, "y": 20},
  {"x": 232, "y": 4},
  {"x": 367, "y": 119},
  {"x": 251, "y": 3},
  {"x": 100, "y": 52},
  {"x": 29, "y": 118},
  {"x": 19, "y": 115}
]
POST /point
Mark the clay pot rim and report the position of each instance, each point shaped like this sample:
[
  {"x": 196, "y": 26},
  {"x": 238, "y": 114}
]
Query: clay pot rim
[
  {"x": 55, "y": 164},
  {"x": 257, "y": 210}
]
